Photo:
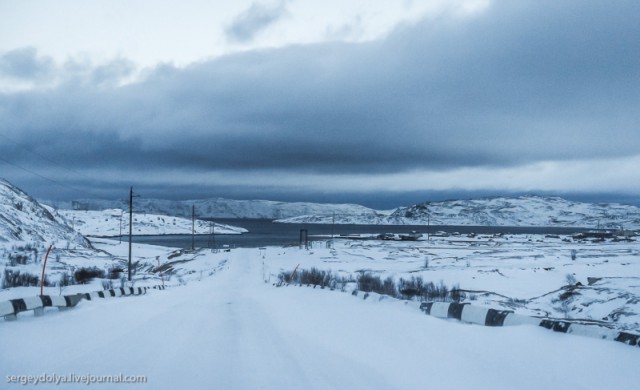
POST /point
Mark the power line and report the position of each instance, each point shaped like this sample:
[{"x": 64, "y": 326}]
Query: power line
[
  {"x": 47, "y": 178},
  {"x": 42, "y": 156}
]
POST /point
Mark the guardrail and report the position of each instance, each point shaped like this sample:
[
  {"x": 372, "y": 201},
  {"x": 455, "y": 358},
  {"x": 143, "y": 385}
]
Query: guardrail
[
  {"x": 468, "y": 313},
  {"x": 116, "y": 292},
  {"x": 491, "y": 317},
  {"x": 10, "y": 309}
]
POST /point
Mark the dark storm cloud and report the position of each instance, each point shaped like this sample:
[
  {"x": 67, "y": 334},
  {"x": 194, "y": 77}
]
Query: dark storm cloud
[
  {"x": 253, "y": 20},
  {"x": 526, "y": 81}
]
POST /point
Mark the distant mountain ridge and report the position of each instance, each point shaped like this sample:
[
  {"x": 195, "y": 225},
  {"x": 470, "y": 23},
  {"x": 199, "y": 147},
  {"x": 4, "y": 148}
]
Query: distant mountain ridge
[
  {"x": 499, "y": 211},
  {"x": 529, "y": 210},
  {"x": 222, "y": 208}
]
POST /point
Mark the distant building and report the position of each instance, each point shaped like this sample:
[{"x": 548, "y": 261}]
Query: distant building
[{"x": 75, "y": 205}]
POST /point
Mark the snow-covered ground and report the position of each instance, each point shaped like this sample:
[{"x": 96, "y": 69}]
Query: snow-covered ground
[
  {"x": 221, "y": 325},
  {"x": 223, "y": 322}
]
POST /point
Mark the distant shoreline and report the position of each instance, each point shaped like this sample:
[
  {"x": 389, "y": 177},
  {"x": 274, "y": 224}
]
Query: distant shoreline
[{"x": 262, "y": 232}]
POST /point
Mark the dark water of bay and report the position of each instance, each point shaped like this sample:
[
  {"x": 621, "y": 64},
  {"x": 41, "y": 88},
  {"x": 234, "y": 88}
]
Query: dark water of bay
[{"x": 263, "y": 232}]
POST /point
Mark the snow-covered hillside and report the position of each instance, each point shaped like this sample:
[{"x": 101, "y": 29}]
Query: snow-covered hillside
[
  {"x": 223, "y": 208},
  {"x": 22, "y": 218},
  {"x": 521, "y": 211},
  {"x": 114, "y": 222}
]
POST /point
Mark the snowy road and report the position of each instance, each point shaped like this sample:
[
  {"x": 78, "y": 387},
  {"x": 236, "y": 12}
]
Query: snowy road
[{"x": 232, "y": 331}]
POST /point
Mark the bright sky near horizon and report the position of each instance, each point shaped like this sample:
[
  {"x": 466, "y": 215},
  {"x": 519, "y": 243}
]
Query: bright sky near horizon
[
  {"x": 150, "y": 32},
  {"x": 329, "y": 101}
]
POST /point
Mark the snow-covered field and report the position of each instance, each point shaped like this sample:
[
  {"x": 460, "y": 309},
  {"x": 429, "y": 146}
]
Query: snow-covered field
[{"x": 223, "y": 324}]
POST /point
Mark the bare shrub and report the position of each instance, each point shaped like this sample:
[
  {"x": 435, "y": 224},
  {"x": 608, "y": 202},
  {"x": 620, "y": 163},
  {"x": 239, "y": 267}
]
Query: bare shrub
[
  {"x": 457, "y": 295},
  {"x": 389, "y": 287},
  {"x": 416, "y": 287},
  {"x": 313, "y": 276},
  {"x": 13, "y": 278},
  {"x": 114, "y": 272},
  {"x": 366, "y": 282},
  {"x": 85, "y": 275},
  {"x": 17, "y": 259},
  {"x": 284, "y": 277},
  {"x": 411, "y": 288},
  {"x": 369, "y": 283}
]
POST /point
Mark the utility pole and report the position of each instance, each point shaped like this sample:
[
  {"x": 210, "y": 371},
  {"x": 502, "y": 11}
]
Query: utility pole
[
  {"x": 333, "y": 222},
  {"x": 130, "y": 226},
  {"x": 213, "y": 235},
  {"x": 193, "y": 227}
]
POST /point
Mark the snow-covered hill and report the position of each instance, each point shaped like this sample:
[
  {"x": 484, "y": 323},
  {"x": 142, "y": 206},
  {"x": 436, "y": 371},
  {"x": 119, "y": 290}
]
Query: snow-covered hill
[
  {"x": 222, "y": 208},
  {"x": 115, "y": 222},
  {"x": 522, "y": 211},
  {"x": 503, "y": 211},
  {"x": 22, "y": 218}
]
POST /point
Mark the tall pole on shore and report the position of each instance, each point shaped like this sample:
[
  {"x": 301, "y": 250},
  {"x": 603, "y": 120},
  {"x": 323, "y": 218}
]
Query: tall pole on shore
[
  {"x": 333, "y": 222},
  {"x": 130, "y": 226}
]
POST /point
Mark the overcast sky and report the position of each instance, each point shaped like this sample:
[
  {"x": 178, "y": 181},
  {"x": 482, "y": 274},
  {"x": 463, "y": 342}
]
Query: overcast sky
[{"x": 378, "y": 102}]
